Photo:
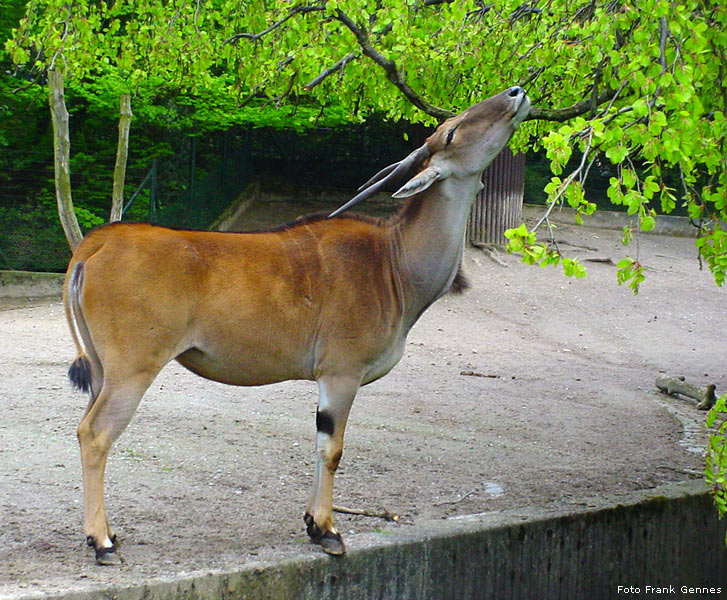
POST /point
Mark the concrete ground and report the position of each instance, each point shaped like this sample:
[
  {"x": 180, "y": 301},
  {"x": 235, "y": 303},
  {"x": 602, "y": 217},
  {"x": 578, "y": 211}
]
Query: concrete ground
[{"x": 530, "y": 392}]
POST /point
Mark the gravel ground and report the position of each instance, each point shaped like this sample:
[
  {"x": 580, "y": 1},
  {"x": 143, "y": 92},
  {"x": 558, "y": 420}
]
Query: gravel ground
[{"x": 529, "y": 390}]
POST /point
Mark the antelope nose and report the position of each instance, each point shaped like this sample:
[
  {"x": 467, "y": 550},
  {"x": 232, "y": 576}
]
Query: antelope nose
[{"x": 514, "y": 91}]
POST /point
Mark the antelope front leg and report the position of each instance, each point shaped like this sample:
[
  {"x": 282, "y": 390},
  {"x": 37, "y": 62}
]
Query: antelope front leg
[{"x": 336, "y": 397}]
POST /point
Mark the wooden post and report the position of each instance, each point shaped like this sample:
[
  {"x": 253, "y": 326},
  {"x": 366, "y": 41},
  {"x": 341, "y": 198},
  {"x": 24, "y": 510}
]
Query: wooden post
[
  {"x": 499, "y": 205},
  {"x": 122, "y": 154},
  {"x": 62, "y": 152}
]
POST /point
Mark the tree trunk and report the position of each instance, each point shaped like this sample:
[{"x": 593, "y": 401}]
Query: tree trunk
[
  {"x": 122, "y": 154},
  {"x": 498, "y": 207},
  {"x": 62, "y": 151}
]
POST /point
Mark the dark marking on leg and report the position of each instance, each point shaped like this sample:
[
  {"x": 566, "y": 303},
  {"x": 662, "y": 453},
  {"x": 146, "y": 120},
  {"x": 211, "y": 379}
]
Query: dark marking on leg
[
  {"x": 324, "y": 422},
  {"x": 312, "y": 529}
]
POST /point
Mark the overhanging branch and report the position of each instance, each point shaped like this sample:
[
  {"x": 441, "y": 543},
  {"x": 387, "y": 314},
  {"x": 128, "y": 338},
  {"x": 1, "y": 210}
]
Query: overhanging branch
[
  {"x": 338, "y": 66},
  {"x": 278, "y": 23},
  {"x": 395, "y": 76},
  {"x": 390, "y": 69},
  {"x": 569, "y": 112}
]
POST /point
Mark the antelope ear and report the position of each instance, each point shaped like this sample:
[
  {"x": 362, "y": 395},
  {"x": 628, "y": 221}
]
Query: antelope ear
[{"x": 418, "y": 184}]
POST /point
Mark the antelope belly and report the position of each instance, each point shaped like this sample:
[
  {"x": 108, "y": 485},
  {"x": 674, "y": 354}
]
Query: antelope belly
[{"x": 245, "y": 368}]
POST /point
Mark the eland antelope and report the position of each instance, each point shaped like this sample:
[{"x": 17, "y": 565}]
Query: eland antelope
[{"x": 325, "y": 298}]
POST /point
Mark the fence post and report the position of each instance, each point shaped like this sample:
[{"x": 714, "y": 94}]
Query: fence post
[
  {"x": 154, "y": 190},
  {"x": 122, "y": 157},
  {"x": 499, "y": 205},
  {"x": 61, "y": 153},
  {"x": 192, "y": 169}
]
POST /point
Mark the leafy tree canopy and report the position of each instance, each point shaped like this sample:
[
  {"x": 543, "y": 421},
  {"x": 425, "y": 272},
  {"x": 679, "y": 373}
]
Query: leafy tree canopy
[{"x": 638, "y": 84}]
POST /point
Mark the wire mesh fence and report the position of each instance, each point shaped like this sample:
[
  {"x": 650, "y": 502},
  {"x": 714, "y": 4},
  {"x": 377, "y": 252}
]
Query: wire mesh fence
[
  {"x": 31, "y": 237},
  {"x": 187, "y": 185},
  {"x": 177, "y": 190},
  {"x": 34, "y": 248}
]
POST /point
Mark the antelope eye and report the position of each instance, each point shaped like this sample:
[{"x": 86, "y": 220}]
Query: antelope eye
[{"x": 450, "y": 135}]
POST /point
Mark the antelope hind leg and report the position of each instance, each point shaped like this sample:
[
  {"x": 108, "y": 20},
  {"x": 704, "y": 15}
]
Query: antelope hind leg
[
  {"x": 105, "y": 420},
  {"x": 336, "y": 398}
]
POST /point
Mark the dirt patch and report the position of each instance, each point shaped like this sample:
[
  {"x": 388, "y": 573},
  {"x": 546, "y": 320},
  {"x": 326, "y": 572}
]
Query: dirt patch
[{"x": 531, "y": 389}]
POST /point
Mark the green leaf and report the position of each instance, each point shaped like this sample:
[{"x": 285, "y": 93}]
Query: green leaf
[
  {"x": 625, "y": 263},
  {"x": 616, "y": 154},
  {"x": 647, "y": 223}
]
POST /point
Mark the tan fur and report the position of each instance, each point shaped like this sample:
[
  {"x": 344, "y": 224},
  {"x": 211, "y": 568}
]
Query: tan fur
[{"x": 253, "y": 301}]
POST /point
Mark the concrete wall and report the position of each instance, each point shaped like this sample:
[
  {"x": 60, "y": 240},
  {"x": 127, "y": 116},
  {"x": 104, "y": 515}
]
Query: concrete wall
[
  {"x": 25, "y": 284},
  {"x": 668, "y": 538},
  {"x": 607, "y": 219},
  {"x": 239, "y": 205}
]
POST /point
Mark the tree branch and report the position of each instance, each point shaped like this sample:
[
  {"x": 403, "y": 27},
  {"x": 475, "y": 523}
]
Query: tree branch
[
  {"x": 61, "y": 153},
  {"x": 122, "y": 156},
  {"x": 395, "y": 76},
  {"x": 287, "y": 91},
  {"x": 290, "y": 15},
  {"x": 392, "y": 72},
  {"x": 338, "y": 66},
  {"x": 563, "y": 114},
  {"x": 663, "y": 34},
  {"x": 566, "y": 183}
]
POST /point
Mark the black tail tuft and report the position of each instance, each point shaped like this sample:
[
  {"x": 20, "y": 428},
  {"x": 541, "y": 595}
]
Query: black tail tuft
[
  {"x": 460, "y": 284},
  {"x": 80, "y": 374}
]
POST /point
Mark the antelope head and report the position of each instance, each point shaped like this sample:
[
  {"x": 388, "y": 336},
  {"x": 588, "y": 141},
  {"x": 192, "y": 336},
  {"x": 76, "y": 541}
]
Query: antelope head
[{"x": 461, "y": 147}]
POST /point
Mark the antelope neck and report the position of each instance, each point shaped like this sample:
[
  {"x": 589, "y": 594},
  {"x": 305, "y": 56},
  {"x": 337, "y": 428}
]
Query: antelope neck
[{"x": 430, "y": 234}]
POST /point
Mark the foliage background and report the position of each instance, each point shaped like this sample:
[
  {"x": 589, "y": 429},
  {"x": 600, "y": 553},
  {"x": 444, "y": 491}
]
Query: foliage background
[{"x": 633, "y": 91}]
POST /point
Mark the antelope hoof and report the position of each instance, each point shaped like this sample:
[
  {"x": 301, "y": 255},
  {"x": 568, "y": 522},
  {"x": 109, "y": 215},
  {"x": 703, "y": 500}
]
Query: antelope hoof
[
  {"x": 330, "y": 541},
  {"x": 106, "y": 556}
]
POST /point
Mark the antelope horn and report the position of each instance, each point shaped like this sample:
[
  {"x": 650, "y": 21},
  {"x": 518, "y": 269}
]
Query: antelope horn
[
  {"x": 386, "y": 175},
  {"x": 383, "y": 173}
]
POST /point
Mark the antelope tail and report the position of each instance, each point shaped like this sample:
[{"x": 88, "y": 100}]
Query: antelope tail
[{"x": 80, "y": 372}]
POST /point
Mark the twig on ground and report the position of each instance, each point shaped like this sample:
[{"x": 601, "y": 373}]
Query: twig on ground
[
  {"x": 601, "y": 259},
  {"x": 678, "y": 385},
  {"x": 573, "y": 245},
  {"x": 476, "y": 374},
  {"x": 491, "y": 251},
  {"x": 692, "y": 472},
  {"x": 467, "y": 495},
  {"x": 377, "y": 514}
]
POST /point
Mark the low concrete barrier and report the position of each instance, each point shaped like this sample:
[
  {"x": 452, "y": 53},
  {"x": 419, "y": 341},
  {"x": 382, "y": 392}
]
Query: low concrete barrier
[
  {"x": 26, "y": 284},
  {"x": 663, "y": 543},
  {"x": 237, "y": 207},
  {"x": 608, "y": 219}
]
